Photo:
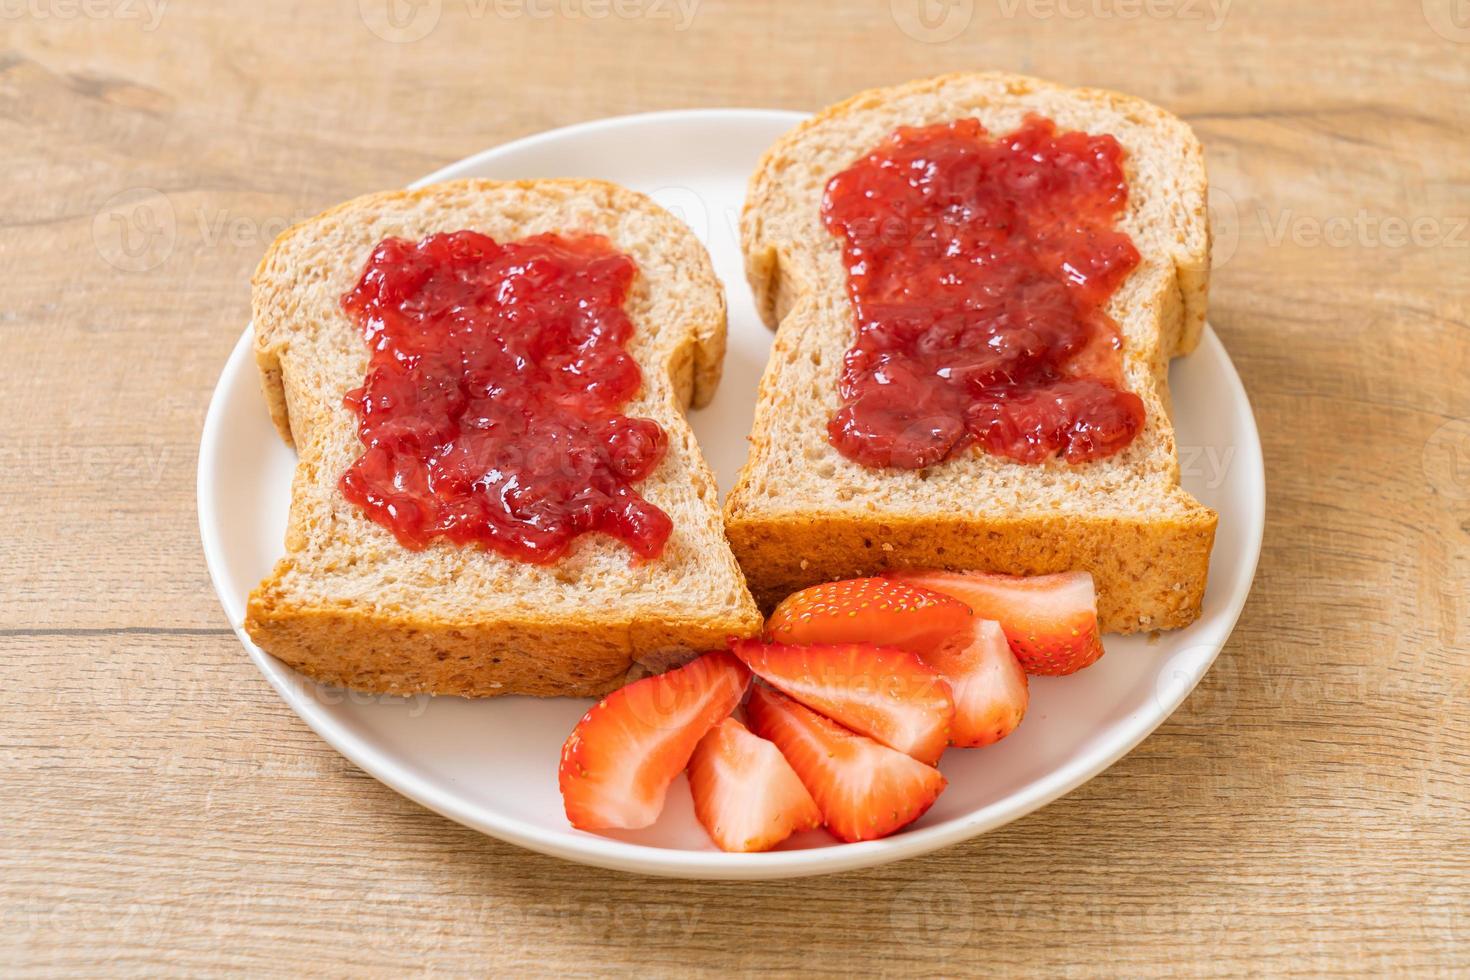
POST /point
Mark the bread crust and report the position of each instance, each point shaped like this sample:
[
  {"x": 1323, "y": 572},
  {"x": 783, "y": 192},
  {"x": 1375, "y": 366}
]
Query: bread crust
[
  {"x": 349, "y": 606},
  {"x": 800, "y": 513},
  {"x": 355, "y": 646},
  {"x": 1150, "y": 572}
]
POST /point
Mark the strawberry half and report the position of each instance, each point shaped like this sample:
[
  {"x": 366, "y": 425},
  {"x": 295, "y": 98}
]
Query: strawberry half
[
  {"x": 989, "y": 686},
  {"x": 865, "y": 790},
  {"x": 1050, "y": 620},
  {"x": 617, "y": 764},
  {"x": 868, "y": 610},
  {"x": 745, "y": 792},
  {"x": 886, "y": 694}
]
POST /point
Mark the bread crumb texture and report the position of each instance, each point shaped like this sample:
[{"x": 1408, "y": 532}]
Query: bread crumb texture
[
  {"x": 802, "y": 513},
  {"x": 348, "y": 605}
]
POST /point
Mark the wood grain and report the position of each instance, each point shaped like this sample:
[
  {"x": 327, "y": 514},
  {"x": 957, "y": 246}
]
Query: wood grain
[{"x": 1305, "y": 812}]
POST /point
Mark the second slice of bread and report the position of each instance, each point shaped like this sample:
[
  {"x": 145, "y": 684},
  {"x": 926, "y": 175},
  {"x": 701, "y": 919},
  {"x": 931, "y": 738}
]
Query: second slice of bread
[
  {"x": 350, "y": 606},
  {"x": 803, "y": 513}
]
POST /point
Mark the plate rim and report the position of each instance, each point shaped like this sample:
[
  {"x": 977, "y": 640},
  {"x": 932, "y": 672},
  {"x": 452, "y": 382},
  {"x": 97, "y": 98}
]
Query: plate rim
[{"x": 625, "y": 856}]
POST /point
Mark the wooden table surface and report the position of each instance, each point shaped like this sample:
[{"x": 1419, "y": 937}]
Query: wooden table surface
[{"x": 1305, "y": 811}]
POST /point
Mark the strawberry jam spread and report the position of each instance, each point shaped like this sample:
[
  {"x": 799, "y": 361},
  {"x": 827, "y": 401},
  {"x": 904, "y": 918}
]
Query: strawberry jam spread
[
  {"x": 978, "y": 270},
  {"x": 490, "y": 410}
]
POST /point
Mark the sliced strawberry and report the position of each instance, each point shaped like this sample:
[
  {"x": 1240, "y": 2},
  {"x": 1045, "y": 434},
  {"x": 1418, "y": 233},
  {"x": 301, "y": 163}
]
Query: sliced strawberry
[
  {"x": 865, "y": 790},
  {"x": 745, "y": 792},
  {"x": 868, "y": 610},
  {"x": 887, "y": 694},
  {"x": 1050, "y": 620},
  {"x": 617, "y": 764},
  {"x": 990, "y": 688}
]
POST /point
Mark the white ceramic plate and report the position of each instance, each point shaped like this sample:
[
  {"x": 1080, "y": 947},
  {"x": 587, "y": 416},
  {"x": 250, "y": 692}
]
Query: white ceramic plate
[{"x": 492, "y": 764}]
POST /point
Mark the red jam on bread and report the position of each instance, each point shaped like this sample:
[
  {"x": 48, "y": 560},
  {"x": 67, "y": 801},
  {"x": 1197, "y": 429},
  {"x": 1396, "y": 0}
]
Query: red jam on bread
[
  {"x": 491, "y": 409},
  {"x": 978, "y": 270}
]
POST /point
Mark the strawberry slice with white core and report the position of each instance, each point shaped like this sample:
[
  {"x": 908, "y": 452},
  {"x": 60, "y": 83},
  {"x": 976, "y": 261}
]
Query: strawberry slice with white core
[
  {"x": 889, "y": 695},
  {"x": 745, "y": 792},
  {"x": 1050, "y": 620},
  {"x": 990, "y": 688},
  {"x": 868, "y": 610},
  {"x": 865, "y": 790},
  {"x": 617, "y": 764}
]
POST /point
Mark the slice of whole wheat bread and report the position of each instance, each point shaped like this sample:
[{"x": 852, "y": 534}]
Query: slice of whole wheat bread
[
  {"x": 801, "y": 512},
  {"x": 350, "y": 606}
]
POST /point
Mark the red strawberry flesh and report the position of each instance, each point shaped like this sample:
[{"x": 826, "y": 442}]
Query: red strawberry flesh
[
  {"x": 990, "y": 688},
  {"x": 617, "y": 764},
  {"x": 865, "y": 790},
  {"x": 1049, "y": 620},
  {"x": 889, "y": 695},
  {"x": 868, "y": 610},
  {"x": 745, "y": 792}
]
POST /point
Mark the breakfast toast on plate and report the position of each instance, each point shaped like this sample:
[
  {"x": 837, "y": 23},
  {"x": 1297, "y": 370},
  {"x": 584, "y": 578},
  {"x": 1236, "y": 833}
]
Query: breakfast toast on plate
[
  {"x": 408, "y": 586},
  {"x": 828, "y": 492}
]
